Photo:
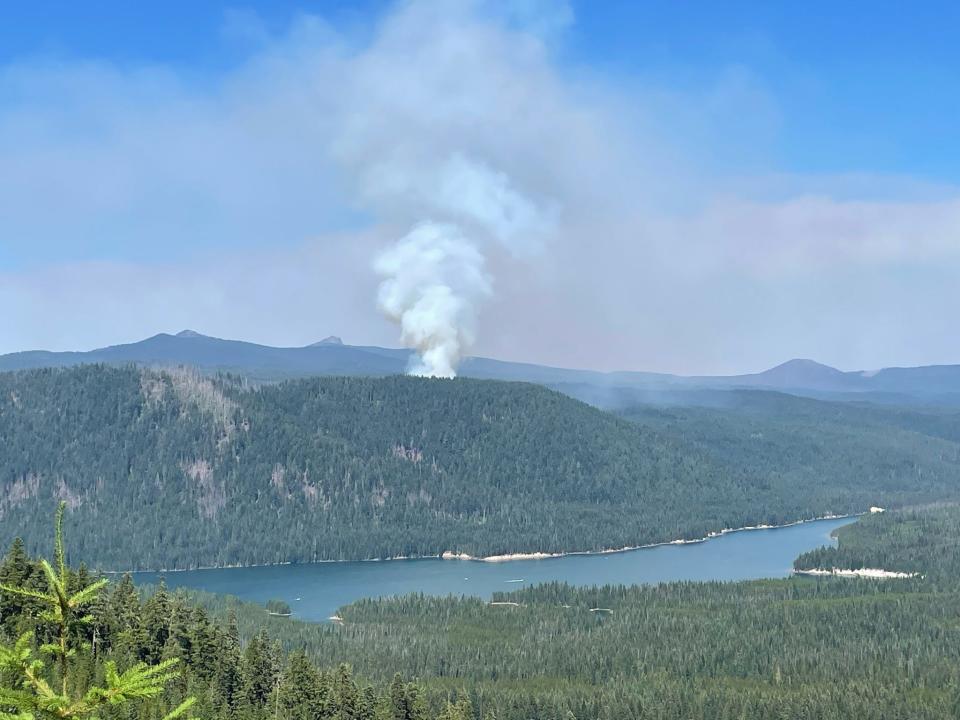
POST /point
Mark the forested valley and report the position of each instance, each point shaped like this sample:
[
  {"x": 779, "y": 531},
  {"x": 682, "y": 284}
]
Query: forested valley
[
  {"x": 825, "y": 648},
  {"x": 195, "y": 471}
]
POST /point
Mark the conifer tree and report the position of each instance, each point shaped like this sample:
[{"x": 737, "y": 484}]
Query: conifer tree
[
  {"x": 300, "y": 692},
  {"x": 156, "y": 624},
  {"x": 53, "y": 690},
  {"x": 15, "y": 571},
  {"x": 260, "y": 671},
  {"x": 346, "y": 698}
]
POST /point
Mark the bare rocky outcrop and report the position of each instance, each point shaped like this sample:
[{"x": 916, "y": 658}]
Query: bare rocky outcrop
[
  {"x": 278, "y": 479},
  {"x": 378, "y": 498},
  {"x": 422, "y": 496},
  {"x": 211, "y": 494},
  {"x": 410, "y": 454},
  {"x": 26, "y": 487},
  {"x": 195, "y": 390},
  {"x": 67, "y": 494}
]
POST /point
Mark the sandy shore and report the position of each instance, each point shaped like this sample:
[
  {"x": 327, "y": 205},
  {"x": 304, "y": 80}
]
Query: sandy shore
[
  {"x": 861, "y": 572},
  {"x": 449, "y": 555},
  {"x": 507, "y": 557}
]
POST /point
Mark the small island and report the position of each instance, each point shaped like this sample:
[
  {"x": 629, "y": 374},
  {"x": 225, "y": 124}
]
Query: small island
[{"x": 279, "y": 607}]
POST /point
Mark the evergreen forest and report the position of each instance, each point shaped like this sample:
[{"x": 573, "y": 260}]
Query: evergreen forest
[
  {"x": 823, "y": 648},
  {"x": 172, "y": 469}
]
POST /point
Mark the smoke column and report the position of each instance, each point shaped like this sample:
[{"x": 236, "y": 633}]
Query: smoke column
[{"x": 434, "y": 277}]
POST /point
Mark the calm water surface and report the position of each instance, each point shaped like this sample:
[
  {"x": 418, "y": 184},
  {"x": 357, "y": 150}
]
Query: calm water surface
[{"x": 315, "y": 591}]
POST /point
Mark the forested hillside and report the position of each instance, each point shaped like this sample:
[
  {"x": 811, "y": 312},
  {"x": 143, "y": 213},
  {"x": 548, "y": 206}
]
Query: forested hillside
[
  {"x": 925, "y": 541},
  {"x": 803, "y": 443},
  {"x": 172, "y": 469},
  {"x": 825, "y": 648}
]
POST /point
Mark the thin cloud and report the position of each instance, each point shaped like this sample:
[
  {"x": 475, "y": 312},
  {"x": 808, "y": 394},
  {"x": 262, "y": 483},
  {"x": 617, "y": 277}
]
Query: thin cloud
[{"x": 139, "y": 199}]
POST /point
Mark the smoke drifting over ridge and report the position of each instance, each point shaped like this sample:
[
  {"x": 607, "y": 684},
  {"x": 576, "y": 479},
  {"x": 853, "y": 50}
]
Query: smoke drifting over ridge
[
  {"x": 435, "y": 277},
  {"x": 435, "y": 134}
]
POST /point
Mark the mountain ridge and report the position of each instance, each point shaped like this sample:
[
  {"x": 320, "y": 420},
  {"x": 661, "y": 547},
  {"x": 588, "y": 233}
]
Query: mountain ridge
[{"x": 331, "y": 356}]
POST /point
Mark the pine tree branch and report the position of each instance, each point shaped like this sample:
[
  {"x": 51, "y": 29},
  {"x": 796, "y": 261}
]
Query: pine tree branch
[
  {"x": 86, "y": 595},
  {"x": 180, "y": 709},
  {"x": 58, "y": 592},
  {"x": 26, "y": 592},
  {"x": 35, "y": 696},
  {"x": 59, "y": 555}
]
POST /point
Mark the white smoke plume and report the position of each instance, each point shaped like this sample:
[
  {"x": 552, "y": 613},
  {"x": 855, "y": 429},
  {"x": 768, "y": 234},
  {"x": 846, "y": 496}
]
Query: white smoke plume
[
  {"x": 434, "y": 282},
  {"x": 447, "y": 123},
  {"x": 434, "y": 277}
]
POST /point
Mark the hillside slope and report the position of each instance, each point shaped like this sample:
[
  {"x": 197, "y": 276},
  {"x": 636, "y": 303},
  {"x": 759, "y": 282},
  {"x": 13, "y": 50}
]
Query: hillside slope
[
  {"x": 760, "y": 428},
  {"x": 198, "y": 471}
]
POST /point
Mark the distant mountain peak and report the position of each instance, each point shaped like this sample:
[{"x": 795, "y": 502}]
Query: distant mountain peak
[
  {"x": 329, "y": 340},
  {"x": 802, "y": 373},
  {"x": 806, "y": 365},
  {"x": 189, "y": 334}
]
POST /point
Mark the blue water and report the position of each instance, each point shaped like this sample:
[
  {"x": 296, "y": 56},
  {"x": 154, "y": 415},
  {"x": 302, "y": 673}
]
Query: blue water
[{"x": 316, "y": 591}]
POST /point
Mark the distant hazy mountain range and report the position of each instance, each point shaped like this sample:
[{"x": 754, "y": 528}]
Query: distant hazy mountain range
[{"x": 935, "y": 384}]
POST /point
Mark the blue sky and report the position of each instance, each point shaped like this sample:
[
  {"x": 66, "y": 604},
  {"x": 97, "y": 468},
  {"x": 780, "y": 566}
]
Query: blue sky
[
  {"x": 860, "y": 86},
  {"x": 728, "y": 184},
  {"x": 194, "y": 35}
]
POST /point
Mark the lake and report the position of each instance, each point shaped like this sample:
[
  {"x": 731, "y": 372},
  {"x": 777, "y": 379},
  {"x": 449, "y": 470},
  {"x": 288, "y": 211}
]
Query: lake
[{"x": 315, "y": 591}]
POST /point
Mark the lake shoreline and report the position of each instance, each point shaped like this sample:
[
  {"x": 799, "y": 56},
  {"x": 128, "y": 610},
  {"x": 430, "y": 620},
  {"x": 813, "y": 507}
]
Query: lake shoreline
[
  {"x": 872, "y": 573},
  {"x": 507, "y": 557}
]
